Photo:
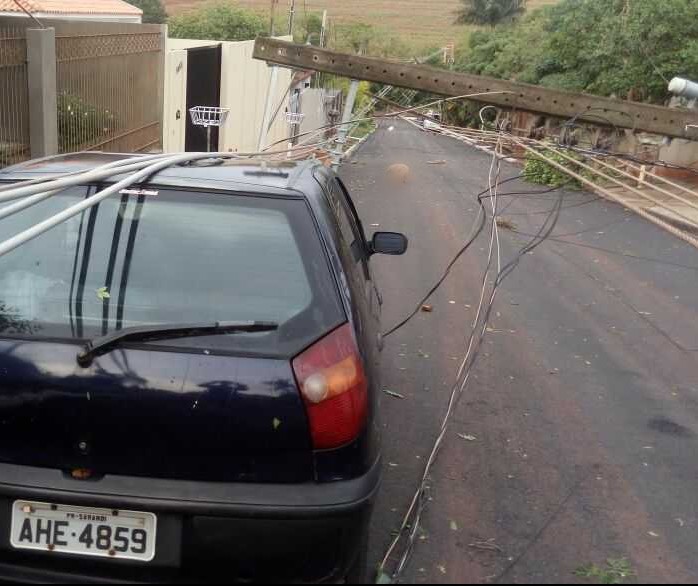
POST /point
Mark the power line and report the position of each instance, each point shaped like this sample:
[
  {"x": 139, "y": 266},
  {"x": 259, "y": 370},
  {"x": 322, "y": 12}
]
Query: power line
[
  {"x": 412, "y": 518},
  {"x": 29, "y": 13}
]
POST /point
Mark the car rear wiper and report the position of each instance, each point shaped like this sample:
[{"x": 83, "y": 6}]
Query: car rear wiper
[{"x": 105, "y": 344}]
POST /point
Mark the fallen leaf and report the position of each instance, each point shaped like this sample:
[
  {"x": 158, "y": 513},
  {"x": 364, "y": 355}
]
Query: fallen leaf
[
  {"x": 276, "y": 423},
  {"x": 454, "y": 526},
  {"x": 442, "y": 569},
  {"x": 103, "y": 293},
  {"x": 427, "y": 308},
  {"x": 506, "y": 224}
]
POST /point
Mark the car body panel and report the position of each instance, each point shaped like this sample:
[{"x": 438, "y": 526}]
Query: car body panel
[{"x": 239, "y": 485}]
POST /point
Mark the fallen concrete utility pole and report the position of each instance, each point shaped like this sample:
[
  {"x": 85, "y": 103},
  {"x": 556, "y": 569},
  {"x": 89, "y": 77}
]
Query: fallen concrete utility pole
[{"x": 671, "y": 122}]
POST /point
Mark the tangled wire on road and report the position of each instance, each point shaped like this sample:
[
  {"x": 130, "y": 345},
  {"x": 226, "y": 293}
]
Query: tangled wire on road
[{"x": 407, "y": 534}]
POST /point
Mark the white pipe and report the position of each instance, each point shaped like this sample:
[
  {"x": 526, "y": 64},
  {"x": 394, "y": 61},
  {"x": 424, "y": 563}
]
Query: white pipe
[
  {"x": 684, "y": 88},
  {"x": 39, "y": 180},
  {"x": 25, "y": 203},
  {"x": 76, "y": 178},
  {"x": 35, "y": 231}
]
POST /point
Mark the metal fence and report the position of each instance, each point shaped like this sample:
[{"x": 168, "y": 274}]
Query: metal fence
[
  {"x": 14, "y": 97},
  {"x": 108, "y": 92}
]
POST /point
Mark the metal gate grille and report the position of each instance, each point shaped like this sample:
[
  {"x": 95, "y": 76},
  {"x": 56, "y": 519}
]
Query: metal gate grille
[
  {"x": 108, "y": 90},
  {"x": 14, "y": 97}
]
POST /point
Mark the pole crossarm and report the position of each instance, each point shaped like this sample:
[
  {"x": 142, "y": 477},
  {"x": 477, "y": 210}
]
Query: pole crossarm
[{"x": 671, "y": 122}]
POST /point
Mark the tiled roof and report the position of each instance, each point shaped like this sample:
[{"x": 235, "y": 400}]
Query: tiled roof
[{"x": 72, "y": 7}]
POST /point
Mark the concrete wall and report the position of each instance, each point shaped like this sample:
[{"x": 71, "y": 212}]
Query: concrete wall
[{"x": 649, "y": 147}]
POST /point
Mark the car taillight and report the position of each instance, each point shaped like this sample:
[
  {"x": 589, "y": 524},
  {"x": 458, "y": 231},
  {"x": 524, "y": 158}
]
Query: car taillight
[{"x": 334, "y": 387}]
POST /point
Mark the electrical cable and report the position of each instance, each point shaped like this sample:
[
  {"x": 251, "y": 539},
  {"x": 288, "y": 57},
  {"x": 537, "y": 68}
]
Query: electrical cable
[
  {"x": 412, "y": 518},
  {"x": 478, "y": 227},
  {"x": 419, "y": 501},
  {"x": 29, "y": 14},
  {"x": 390, "y": 115}
]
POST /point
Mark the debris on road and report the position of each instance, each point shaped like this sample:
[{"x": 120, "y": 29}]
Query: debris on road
[
  {"x": 506, "y": 224},
  {"x": 467, "y": 438},
  {"x": 393, "y": 394},
  {"x": 616, "y": 571},
  {"x": 439, "y": 162},
  {"x": 488, "y": 545},
  {"x": 454, "y": 526},
  {"x": 427, "y": 308}
]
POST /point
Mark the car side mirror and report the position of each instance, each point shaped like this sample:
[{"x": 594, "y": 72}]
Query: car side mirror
[{"x": 391, "y": 243}]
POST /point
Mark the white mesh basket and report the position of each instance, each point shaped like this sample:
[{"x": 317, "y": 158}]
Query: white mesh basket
[
  {"x": 294, "y": 118},
  {"x": 208, "y": 116}
]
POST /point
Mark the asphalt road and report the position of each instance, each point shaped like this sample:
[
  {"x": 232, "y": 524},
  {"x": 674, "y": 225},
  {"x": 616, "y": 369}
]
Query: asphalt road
[{"x": 585, "y": 401}]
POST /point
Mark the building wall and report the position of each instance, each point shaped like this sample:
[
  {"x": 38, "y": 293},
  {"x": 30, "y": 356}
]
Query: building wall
[{"x": 244, "y": 86}]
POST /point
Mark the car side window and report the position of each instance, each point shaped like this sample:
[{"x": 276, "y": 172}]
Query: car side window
[
  {"x": 354, "y": 214},
  {"x": 349, "y": 224}
]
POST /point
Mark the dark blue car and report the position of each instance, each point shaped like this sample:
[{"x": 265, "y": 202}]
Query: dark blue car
[{"x": 189, "y": 379}]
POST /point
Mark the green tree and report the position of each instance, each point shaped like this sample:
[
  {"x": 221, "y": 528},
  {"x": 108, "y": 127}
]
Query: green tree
[
  {"x": 153, "y": 11},
  {"x": 310, "y": 29},
  {"x": 605, "y": 47},
  {"x": 365, "y": 39},
  {"x": 219, "y": 22},
  {"x": 489, "y": 12}
]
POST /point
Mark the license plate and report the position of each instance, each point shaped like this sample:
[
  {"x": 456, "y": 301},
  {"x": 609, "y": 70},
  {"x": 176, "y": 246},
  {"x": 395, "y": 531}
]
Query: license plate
[{"x": 107, "y": 533}]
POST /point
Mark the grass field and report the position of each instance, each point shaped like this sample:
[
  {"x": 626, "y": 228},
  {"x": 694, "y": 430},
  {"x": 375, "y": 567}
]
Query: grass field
[{"x": 423, "y": 22}]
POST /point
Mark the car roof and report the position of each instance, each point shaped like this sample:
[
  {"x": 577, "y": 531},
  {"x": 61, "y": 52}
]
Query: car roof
[{"x": 255, "y": 176}]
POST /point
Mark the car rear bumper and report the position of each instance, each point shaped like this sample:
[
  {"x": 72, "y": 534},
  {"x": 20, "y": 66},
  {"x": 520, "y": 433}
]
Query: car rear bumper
[{"x": 207, "y": 532}]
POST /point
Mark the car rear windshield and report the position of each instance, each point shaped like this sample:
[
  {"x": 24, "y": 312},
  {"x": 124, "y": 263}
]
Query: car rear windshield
[{"x": 176, "y": 257}]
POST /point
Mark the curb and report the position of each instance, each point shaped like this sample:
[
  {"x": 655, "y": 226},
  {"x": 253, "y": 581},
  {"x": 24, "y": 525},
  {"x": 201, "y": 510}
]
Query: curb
[{"x": 677, "y": 223}]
